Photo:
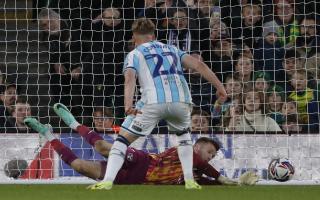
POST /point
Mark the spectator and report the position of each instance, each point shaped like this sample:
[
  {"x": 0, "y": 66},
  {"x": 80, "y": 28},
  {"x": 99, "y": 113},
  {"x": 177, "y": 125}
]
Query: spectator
[
  {"x": 244, "y": 68},
  {"x": 20, "y": 111},
  {"x": 65, "y": 52},
  {"x": 218, "y": 56},
  {"x": 104, "y": 121},
  {"x": 253, "y": 117},
  {"x": 159, "y": 14},
  {"x": 275, "y": 98},
  {"x": 261, "y": 81},
  {"x": 268, "y": 53},
  {"x": 309, "y": 44},
  {"x": 200, "y": 121},
  {"x": 289, "y": 107},
  {"x": 231, "y": 12},
  {"x": 291, "y": 124},
  {"x": 102, "y": 69},
  {"x": 286, "y": 18},
  {"x": 217, "y": 30},
  {"x": 203, "y": 12},
  {"x": 148, "y": 4},
  {"x": 234, "y": 89},
  {"x": 234, "y": 111},
  {"x": 179, "y": 33},
  {"x": 292, "y": 61},
  {"x": 252, "y": 23},
  {"x": 8, "y": 97},
  {"x": 307, "y": 100}
]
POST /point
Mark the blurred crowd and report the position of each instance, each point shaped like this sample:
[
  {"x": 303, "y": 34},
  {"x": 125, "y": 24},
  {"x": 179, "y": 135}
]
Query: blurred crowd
[{"x": 266, "y": 52}]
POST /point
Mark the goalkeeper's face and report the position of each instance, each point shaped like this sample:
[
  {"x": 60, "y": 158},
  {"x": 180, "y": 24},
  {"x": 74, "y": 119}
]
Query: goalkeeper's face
[{"x": 205, "y": 150}]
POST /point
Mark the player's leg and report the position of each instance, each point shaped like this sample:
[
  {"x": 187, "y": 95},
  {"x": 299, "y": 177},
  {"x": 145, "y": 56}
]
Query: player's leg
[
  {"x": 93, "y": 138},
  {"x": 116, "y": 158},
  {"x": 87, "y": 168},
  {"x": 131, "y": 129},
  {"x": 179, "y": 119}
]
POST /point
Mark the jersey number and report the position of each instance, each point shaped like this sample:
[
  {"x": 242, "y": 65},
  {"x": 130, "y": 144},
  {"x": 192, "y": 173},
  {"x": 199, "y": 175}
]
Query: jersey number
[{"x": 173, "y": 68}]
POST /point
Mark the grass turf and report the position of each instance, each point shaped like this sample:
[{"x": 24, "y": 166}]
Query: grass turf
[{"x": 135, "y": 192}]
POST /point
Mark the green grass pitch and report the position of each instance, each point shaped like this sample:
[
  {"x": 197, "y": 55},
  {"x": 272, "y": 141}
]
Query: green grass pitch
[{"x": 141, "y": 192}]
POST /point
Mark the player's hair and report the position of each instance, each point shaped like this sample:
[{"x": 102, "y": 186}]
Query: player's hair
[
  {"x": 22, "y": 100},
  {"x": 233, "y": 77},
  {"x": 173, "y": 11},
  {"x": 47, "y": 12},
  {"x": 302, "y": 72},
  {"x": 291, "y": 53},
  {"x": 107, "y": 112},
  {"x": 143, "y": 26},
  {"x": 254, "y": 4},
  {"x": 290, "y": 101},
  {"x": 205, "y": 140},
  {"x": 200, "y": 112},
  {"x": 308, "y": 17}
]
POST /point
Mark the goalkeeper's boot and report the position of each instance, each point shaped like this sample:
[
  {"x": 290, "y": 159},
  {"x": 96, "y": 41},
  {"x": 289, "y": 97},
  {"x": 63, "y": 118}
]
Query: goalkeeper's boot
[
  {"x": 192, "y": 185},
  {"x": 106, "y": 185},
  {"x": 63, "y": 112},
  {"x": 37, "y": 126}
]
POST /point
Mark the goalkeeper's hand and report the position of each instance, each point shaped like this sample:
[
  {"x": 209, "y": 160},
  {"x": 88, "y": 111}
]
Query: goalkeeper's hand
[
  {"x": 248, "y": 178},
  {"x": 226, "y": 181}
]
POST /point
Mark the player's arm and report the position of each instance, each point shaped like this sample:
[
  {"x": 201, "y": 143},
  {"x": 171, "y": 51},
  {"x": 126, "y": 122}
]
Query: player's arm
[
  {"x": 247, "y": 178},
  {"x": 195, "y": 64},
  {"x": 129, "y": 89},
  {"x": 210, "y": 171}
]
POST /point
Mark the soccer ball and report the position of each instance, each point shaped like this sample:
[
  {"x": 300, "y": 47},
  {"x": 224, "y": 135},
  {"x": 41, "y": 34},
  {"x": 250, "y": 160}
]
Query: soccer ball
[{"x": 281, "y": 169}]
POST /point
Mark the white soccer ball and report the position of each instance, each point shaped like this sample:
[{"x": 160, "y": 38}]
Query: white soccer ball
[{"x": 281, "y": 169}]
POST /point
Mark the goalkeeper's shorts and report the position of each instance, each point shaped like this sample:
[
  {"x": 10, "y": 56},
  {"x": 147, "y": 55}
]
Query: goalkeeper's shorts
[{"x": 177, "y": 115}]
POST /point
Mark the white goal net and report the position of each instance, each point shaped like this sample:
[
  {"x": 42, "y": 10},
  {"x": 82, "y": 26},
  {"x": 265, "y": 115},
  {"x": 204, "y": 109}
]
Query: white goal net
[{"x": 265, "y": 52}]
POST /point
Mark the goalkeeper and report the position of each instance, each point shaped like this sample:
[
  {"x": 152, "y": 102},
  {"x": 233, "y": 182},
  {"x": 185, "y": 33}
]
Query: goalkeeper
[{"x": 139, "y": 167}]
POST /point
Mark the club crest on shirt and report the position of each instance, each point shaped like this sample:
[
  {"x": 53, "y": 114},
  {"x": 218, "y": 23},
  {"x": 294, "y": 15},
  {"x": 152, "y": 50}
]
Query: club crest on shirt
[{"x": 130, "y": 157}]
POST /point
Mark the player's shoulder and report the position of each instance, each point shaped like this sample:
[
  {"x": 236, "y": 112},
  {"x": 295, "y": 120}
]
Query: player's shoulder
[{"x": 133, "y": 53}]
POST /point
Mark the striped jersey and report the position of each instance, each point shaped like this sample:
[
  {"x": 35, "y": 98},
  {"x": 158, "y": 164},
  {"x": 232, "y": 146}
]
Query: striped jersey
[
  {"x": 159, "y": 71},
  {"x": 165, "y": 168}
]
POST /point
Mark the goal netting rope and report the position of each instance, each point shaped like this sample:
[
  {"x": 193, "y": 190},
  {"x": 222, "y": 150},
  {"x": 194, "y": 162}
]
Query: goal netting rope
[{"x": 264, "y": 51}]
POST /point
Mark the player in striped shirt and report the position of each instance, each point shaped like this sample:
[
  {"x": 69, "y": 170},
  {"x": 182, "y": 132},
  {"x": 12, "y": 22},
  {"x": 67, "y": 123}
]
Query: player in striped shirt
[
  {"x": 164, "y": 95},
  {"x": 139, "y": 167}
]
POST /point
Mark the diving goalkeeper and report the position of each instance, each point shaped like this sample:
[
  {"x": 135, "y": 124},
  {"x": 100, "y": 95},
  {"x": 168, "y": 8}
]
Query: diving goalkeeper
[{"x": 139, "y": 167}]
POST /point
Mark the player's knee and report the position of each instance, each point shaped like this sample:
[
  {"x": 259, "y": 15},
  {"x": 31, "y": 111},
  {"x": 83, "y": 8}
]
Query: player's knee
[
  {"x": 185, "y": 131},
  {"x": 184, "y": 139},
  {"x": 123, "y": 140},
  {"x": 120, "y": 146}
]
